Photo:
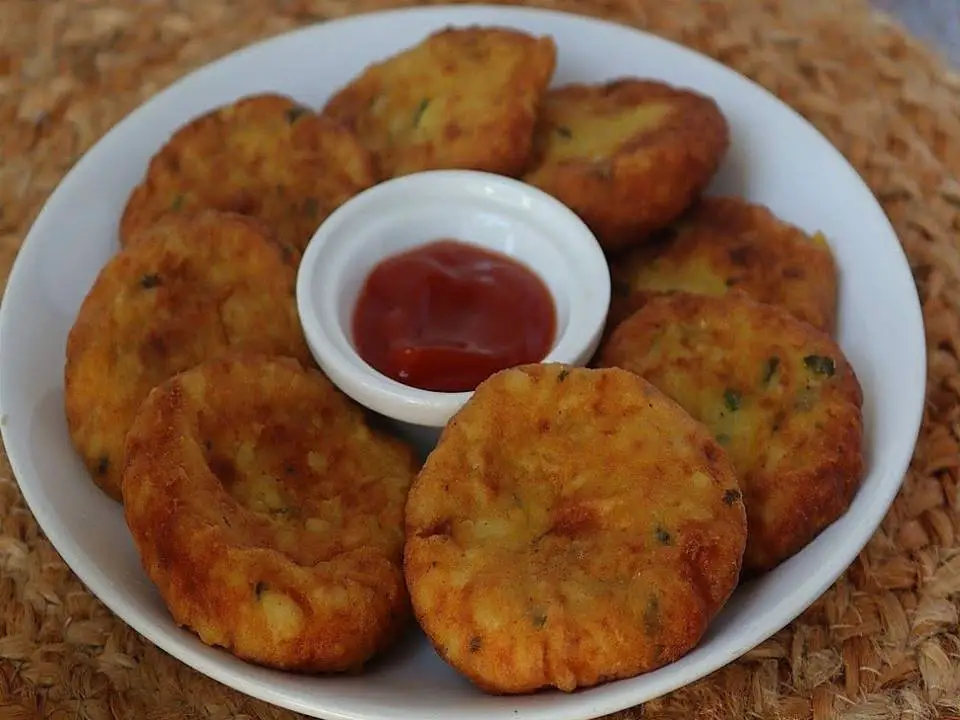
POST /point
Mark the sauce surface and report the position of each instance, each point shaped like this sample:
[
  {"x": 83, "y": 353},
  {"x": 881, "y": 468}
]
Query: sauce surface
[{"x": 447, "y": 315}]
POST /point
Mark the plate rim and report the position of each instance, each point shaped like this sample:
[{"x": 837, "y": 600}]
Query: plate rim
[{"x": 444, "y": 14}]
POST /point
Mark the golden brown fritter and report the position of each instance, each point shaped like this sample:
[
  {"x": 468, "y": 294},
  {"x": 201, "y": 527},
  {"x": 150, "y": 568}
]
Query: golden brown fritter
[
  {"x": 725, "y": 243},
  {"x": 776, "y": 392},
  {"x": 572, "y": 526},
  {"x": 268, "y": 514},
  {"x": 628, "y": 156},
  {"x": 191, "y": 288},
  {"x": 463, "y": 98},
  {"x": 265, "y": 156}
]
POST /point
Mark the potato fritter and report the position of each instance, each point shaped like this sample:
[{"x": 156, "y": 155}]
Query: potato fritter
[
  {"x": 265, "y": 156},
  {"x": 190, "y": 289},
  {"x": 725, "y": 243},
  {"x": 269, "y": 515},
  {"x": 572, "y": 526},
  {"x": 462, "y": 98},
  {"x": 628, "y": 156},
  {"x": 778, "y": 394}
]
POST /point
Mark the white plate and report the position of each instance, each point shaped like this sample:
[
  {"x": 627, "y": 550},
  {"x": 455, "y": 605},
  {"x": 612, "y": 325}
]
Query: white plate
[{"x": 776, "y": 158}]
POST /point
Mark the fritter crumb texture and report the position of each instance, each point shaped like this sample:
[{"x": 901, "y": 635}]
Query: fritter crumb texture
[
  {"x": 778, "y": 394},
  {"x": 628, "y": 156},
  {"x": 572, "y": 527},
  {"x": 463, "y": 98},
  {"x": 266, "y": 156},
  {"x": 194, "y": 287},
  {"x": 269, "y": 515},
  {"x": 724, "y": 244}
]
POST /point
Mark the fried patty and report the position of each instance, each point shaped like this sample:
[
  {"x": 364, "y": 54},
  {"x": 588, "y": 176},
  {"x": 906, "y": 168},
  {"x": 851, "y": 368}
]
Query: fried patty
[
  {"x": 463, "y": 98},
  {"x": 190, "y": 289},
  {"x": 266, "y": 156},
  {"x": 777, "y": 393},
  {"x": 268, "y": 514},
  {"x": 725, "y": 243},
  {"x": 572, "y": 526},
  {"x": 628, "y": 156}
]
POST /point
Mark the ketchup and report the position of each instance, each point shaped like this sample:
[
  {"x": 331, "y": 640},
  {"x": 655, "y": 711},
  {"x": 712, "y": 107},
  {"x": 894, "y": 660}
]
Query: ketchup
[{"x": 447, "y": 315}]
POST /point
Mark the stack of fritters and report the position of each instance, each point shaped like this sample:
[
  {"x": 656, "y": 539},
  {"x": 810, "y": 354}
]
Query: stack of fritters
[
  {"x": 730, "y": 311},
  {"x": 628, "y": 155},
  {"x": 777, "y": 393},
  {"x": 266, "y": 511},
  {"x": 186, "y": 289},
  {"x": 573, "y": 525}
]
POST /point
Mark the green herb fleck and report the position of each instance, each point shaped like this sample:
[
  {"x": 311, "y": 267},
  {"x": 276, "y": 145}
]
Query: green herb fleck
[
  {"x": 723, "y": 439},
  {"x": 295, "y": 113},
  {"x": 563, "y": 375},
  {"x": 311, "y": 206},
  {"x": 475, "y": 644},
  {"x": 770, "y": 369},
  {"x": 651, "y": 615},
  {"x": 564, "y": 132},
  {"x": 147, "y": 282},
  {"x": 418, "y": 113},
  {"x": 663, "y": 535},
  {"x": 731, "y": 398},
  {"x": 177, "y": 202},
  {"x": 820, "y": 365},
  {"x": 731, "y": 496},
  {"x": 259, "y": 589},
  {"x": 538, "y": 619},
  {"x": 103, "y": 464}
]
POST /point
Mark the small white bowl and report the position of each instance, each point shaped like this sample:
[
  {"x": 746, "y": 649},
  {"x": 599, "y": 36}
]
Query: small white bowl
[{"x": 490, "y": 211}]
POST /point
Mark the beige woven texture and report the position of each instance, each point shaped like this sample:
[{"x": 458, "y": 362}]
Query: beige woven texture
[{"x": 882, "y": 643}]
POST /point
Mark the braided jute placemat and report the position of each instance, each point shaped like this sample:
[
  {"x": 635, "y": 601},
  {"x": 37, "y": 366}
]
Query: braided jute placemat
[{"x": 882, "y": 643}]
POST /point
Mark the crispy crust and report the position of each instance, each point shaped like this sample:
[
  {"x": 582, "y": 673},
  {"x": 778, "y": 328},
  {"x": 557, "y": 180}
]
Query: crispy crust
[
  {"x": 462, "y": 98},
  {"x": 269, "y": 515},
  {"x": 725, "y": 243},
  {"x": 193, "y": 288},
  {"x": 629, "y": 156},
  {"x": 793, "y": 426},
  {"x": 266, "y": 156},
  {"x": 571, "y": 527}
]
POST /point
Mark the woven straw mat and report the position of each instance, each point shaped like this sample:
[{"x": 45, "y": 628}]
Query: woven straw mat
[{"x": 882, "y": 643}]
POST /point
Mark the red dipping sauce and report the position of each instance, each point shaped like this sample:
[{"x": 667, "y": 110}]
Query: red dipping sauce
[{"x": 447, "y": 315}]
